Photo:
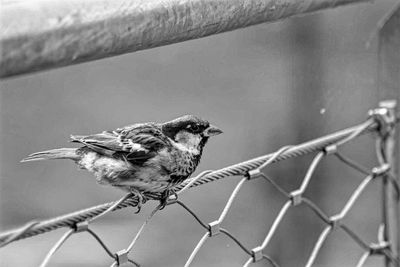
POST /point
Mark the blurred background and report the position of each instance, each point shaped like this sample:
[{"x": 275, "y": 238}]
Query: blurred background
[{"x": 266, "y": 86}]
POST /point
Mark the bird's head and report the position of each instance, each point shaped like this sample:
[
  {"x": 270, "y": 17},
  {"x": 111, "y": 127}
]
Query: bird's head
[{"x": 190, "y": 131}]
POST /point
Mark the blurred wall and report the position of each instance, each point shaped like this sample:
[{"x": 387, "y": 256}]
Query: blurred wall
[{"x": 266, "y": 86}]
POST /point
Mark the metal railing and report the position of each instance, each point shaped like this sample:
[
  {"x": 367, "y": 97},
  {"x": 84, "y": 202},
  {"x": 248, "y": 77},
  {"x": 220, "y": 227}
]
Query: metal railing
[
  {"x": 60, "y": 33},
  {"x": 381, "y": 121}
]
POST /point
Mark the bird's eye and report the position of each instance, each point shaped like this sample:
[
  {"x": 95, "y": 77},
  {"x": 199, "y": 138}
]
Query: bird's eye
[{"x": 194, "y": 127}]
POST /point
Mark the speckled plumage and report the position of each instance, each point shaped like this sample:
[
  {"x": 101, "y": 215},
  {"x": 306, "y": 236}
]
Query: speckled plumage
[{"x": 143, "y": 157}]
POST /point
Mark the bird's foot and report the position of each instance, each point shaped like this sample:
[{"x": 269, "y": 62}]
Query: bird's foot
[
  {"x": 141, "y": 200},
  {"x": 167, "y": 197}
]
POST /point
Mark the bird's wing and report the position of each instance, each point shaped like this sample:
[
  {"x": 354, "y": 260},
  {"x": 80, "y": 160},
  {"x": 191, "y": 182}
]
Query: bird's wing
[{"x": 136, "y": 143}]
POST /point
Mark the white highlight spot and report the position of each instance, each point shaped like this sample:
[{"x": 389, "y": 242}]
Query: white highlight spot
[
  {"x": 135, "y": 146},
  {"x": 87, "y": 161},
  {"x": 110, "y": 164}
]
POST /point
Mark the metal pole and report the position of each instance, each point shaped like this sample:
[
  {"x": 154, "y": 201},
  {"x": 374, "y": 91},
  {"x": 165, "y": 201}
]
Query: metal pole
[
  {"x": 45, "y": 34},
  {"x": 389, "y": 88}
]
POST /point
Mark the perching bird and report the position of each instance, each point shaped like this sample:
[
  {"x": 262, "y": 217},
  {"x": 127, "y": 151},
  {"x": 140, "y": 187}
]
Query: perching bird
[{"x": 143, "y": 157}]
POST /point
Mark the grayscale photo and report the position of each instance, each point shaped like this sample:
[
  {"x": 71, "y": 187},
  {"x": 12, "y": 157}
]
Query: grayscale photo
[{"x": 199, "y": 133}]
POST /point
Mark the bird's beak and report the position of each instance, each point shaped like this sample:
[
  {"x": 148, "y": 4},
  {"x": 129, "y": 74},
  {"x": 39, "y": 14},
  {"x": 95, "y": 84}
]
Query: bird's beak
[{"x": 211, "y": 131}]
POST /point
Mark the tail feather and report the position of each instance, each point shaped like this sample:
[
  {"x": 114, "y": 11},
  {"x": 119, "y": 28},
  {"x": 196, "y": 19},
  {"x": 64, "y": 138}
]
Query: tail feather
[{"x": 60, "y": 153}]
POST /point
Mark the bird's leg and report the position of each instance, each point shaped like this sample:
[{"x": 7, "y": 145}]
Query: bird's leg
[
  {"x": 166, "y": 195},
  {"x": 141, "y": 198}
]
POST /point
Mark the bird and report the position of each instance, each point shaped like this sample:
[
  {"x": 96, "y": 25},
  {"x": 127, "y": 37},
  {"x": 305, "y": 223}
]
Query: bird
[{"x": 140, "y": 158}]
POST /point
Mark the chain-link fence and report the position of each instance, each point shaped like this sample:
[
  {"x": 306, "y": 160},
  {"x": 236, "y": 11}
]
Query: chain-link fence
[{"x": 381, "y": 123}]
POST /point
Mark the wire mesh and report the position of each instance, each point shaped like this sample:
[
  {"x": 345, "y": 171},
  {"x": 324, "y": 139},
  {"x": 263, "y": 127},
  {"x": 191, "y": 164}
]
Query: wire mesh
[{"x": 381, "y": 122}]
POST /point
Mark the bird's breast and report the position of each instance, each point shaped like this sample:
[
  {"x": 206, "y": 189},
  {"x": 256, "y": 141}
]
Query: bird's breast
[
  {"x": 175, "y": 162},
  {"x": 185, "y": 164}
]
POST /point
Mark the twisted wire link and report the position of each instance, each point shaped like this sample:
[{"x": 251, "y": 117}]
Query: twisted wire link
[
  {"x": 293, "y": 200},
  {"x": 222, "y": 230},
  {"x": 214, "y": 227},
  {"x": 336, "y": 220},
  {"x": 84, "y": 227},
  {"x": 79, "y": 221},
  {"x": 381, "y": 171},
  {"x": 124, "y": 253},
  {"x": 362, "y": 169},
  {"x": 296, "y": 198},
  {"x": 376, "y": 248}
]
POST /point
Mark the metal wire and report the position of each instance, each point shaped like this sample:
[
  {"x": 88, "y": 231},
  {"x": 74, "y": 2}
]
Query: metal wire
[
  {"x": 358, "y": 167},
  {"x": 56, "y": 247},
  {"x": 363, "y": 259},
  {"x": 80, "y": 221}
]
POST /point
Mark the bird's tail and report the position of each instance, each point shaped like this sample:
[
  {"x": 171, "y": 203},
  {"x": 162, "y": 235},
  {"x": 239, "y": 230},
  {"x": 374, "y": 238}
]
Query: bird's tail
[{"x": 59, "y": 153}]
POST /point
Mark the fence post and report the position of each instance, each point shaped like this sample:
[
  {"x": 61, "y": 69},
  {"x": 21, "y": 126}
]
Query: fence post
[{"x": 389, "y": 88}]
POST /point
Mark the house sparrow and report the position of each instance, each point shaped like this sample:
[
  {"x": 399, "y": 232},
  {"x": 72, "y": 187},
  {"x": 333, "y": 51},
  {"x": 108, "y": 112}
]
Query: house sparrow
[{"x": 139, "y": 158}]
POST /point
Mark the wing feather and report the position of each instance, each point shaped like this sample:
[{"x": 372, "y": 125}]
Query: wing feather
[{"x": 136, "y": 143}]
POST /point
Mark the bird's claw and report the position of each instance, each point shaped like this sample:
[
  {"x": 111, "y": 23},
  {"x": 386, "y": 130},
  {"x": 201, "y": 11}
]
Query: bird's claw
[
  {"x": 141, "y": 200},
  {"x": 139, "y": 208},
  {"x": 166, "y": 198}
]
